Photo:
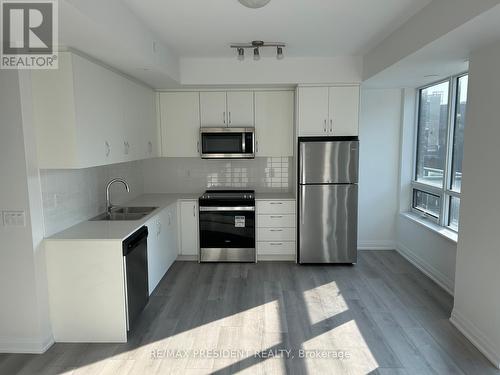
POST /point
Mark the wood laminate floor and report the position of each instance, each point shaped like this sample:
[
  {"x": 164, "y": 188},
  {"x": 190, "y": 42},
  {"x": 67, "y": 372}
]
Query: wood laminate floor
[{"x": 382, "y": 316}]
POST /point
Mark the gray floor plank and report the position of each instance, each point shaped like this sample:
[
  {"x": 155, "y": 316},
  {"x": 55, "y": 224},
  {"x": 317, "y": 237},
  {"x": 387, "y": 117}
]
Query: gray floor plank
[{"x": 383, "y": 315}]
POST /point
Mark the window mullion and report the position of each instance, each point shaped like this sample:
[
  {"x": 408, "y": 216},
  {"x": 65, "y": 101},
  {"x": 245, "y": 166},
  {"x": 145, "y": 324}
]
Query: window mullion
[{"x": 445, "y": 207}]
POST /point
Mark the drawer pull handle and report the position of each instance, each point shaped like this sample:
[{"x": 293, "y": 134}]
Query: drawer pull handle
[
  {"x": 276, "y": 217},
  {"x": 276, "y": 203},
  {"x": 276, "y": 243},
  {"x": 276, "y": 230}
]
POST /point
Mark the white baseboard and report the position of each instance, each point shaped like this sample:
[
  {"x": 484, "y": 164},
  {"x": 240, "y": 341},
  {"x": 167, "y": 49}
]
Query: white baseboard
[
  {"x": 476, "y": 337},
  {"x": 435, "y": 275},
  {"x": 376, "y": 245},
  {"x": 28, "y": 346}
]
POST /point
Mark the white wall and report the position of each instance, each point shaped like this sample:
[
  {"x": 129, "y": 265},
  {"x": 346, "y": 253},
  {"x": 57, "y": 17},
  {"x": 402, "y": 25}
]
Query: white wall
[
  {"x": 477, "y": 306},
  {"x": 24, "y": 323},
  {"x": 433, "y": 253},
  {"x": 380, "y": 119},
  {"x": 270, "y": 71}
]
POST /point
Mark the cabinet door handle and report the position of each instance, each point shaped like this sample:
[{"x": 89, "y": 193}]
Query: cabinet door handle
[
  {"x": 276, "y": 203},
  {"x": 276, "y": 230},
  {"x": 276, "y": 243},
  {"x": 194, "y": 210},
  {"x": 125, "y": 149},
  {"x": 150, "y": 147},
  {"x": 224, "y": 117},
  {"x": 331, "y": 125},
  {"x": 324, "y": 126},
  {"x": 276, "y": 217},
  {"x": 198, "y": 146},
  {"x": 256, "y": 146},
  {"x": 229, "y": 117}
]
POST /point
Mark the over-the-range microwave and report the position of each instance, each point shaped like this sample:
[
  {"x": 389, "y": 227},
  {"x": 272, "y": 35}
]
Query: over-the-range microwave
[{"x": 227, "y": 143}]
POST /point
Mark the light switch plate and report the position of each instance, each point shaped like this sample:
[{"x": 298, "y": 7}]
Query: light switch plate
[{"x": 14, "y": 219}]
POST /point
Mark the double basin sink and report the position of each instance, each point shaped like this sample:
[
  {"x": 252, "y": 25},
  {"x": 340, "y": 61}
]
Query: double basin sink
[{"x": 124, "y": 214}]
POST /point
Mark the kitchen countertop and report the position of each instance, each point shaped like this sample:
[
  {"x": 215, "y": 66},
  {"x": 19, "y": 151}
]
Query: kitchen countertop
[
  {"x": 119, "y": 230},
  {"x": 274, "y": 196}
]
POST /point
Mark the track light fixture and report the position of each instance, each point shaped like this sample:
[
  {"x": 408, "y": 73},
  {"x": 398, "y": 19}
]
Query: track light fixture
[
  {"x": 256, "y": 45},
  {"x": 256, "y": 54},
  {"x": 241, "y": 54}
]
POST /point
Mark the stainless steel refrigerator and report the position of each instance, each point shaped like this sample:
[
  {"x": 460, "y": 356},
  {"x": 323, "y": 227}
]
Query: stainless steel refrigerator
[{"x": 328, "y": 200}]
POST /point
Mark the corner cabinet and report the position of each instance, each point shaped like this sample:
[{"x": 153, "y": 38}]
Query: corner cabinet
[
  {"x": 328, "y": 111},
  {"x": 91, "y": 115}
]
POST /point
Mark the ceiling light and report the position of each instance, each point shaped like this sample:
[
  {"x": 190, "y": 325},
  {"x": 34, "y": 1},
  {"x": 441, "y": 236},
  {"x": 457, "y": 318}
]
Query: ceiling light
[
  {"x": 279, "y": 52},
  {"x": 256, "y": 54},
  {"x": 256, "y": 45},
  {"x": 241, "y": 54},
  {"x": 254, "y": 4}
]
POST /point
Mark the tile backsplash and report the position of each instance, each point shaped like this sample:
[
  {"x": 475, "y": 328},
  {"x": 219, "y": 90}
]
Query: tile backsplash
[
  {"x": 194, "y": 175},
  {"x": 74, "y": 195}
]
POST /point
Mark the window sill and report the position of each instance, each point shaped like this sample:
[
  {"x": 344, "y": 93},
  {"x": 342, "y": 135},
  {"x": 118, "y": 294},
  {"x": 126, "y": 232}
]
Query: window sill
[{"x": 443, "y": 232}]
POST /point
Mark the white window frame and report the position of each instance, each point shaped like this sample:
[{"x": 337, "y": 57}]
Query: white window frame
[{"x": 444, "y": 192}]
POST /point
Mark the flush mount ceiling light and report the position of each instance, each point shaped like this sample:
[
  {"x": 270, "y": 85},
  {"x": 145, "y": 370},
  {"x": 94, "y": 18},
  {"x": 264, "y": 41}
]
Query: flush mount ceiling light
[
  {"x": 254, "y": 4},
  {"x": 256, "y": 45}
]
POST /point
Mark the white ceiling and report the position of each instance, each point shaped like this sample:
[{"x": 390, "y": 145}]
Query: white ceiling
[{"x": 311, "y": 28}]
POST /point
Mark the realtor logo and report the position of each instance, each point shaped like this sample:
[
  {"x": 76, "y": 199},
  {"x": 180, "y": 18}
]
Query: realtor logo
[{"x": 29, "y": 34}]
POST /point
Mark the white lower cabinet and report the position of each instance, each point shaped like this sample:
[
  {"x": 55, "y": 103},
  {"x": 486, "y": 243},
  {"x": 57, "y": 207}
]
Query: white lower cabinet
[
  {"x": 162, "y": 244},
  {"x": 275, "y": 229},
  {"x": 189, "y": 242}
]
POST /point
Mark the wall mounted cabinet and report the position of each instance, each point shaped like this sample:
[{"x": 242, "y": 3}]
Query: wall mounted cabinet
[
  {"x": 231, "y": 108},
  {"x": 274, "y": 112},
  {"x": 328, "y": 111},
  {"x": 180, "y": 124},
  {"x": 87, "y": 115}
]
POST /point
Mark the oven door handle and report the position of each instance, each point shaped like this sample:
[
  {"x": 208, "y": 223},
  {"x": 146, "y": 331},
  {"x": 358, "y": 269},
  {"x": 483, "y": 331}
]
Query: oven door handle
[{"x": 240, "y": 208}]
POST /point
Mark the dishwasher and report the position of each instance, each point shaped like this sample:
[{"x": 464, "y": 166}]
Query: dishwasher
[{"x": 135, "y": 264}]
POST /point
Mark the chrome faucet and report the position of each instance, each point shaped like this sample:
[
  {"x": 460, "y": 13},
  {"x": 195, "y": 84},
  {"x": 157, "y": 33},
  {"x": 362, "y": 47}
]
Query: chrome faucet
[{"x": 109, "y": 206}]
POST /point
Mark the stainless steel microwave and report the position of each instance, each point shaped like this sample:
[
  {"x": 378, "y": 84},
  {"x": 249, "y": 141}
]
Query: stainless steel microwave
[{"x": 227, "y": 143}]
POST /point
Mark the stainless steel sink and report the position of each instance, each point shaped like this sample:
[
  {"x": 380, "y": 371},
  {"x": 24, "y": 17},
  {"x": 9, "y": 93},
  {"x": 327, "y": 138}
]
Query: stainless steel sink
[
  {"x": 134, "y": 210},
  {"x": 125, "y": 214}
]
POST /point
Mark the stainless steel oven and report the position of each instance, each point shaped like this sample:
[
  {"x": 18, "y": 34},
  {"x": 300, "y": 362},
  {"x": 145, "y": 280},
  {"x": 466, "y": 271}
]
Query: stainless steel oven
[
  {"x": 227, "y": 143},
  {"x": 227, "y": 226}
]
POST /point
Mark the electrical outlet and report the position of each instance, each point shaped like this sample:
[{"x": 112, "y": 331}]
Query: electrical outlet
[{"x": 14, "y": 219}]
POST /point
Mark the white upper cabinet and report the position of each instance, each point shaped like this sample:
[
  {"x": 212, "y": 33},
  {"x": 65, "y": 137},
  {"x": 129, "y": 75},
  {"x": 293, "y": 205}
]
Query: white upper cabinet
[
  {"x": 86, "y": 115},
  {"x": 274, "y": 111},
  {"x": 232, "y": 108},
  {"x": 240, "y": 108},
  {"x": 328, "y": 111},
  {"x": 213, "y": 109},
  {"x": 313, "y": 110},
  {"x": 344, "y": 110},
  {"x": 180, "y": 124}
]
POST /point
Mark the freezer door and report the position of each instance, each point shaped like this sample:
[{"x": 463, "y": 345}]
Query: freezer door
[
  {"x": 328, "y": 223},
  {"x": 328, "y": 162}
]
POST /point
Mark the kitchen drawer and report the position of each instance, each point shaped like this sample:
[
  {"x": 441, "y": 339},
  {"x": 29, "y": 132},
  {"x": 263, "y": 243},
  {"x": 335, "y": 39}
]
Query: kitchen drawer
[
  {"x": 276, "y": 207},
  {"x": 275, "y": 234},
  {"x": 276, "y": 248},
  {"x": 276, "y": 221}
]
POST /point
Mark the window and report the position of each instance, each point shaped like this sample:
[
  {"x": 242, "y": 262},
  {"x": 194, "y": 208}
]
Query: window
[{"x": 439, "y": 150}]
